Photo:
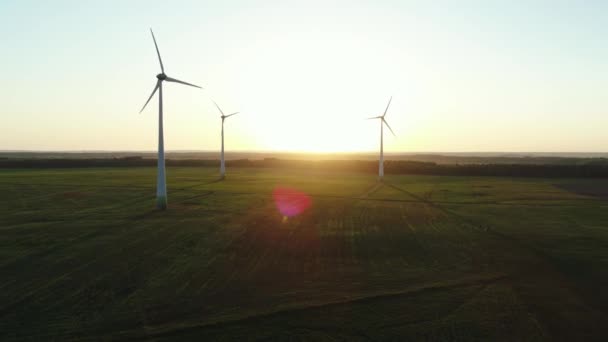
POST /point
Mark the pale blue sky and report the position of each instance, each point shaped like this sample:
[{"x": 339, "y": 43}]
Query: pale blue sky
[{"x": 465, "y": 75}]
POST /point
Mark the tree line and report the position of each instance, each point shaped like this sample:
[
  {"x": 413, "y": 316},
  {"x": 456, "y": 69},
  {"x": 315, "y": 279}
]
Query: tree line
[{"x": 591, "y": 168}]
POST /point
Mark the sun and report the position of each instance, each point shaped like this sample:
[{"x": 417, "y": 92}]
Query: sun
[{"x": 313, "y": 94}]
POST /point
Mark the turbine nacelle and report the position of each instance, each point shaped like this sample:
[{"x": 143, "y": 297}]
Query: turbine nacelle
[
  {"x": 223, "y": 116},
  {"x": 381, "y": 117},
  {"x": 162, "y": 76}
]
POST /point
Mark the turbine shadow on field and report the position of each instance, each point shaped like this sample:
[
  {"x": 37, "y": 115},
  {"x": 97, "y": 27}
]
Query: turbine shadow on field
[{"x": 219, "y": 179}]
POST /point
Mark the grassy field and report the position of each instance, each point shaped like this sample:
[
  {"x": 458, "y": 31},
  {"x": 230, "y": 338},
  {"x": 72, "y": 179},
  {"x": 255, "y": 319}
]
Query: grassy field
[{"x": 84, "y": 255}]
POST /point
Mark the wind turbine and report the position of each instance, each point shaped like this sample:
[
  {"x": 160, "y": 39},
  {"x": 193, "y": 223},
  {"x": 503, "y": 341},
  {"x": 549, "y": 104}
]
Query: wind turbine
[
  {"x": 222, "y": 162},
  {"x": 161, "y": 187},
  {"x": 382, "y": 123}
]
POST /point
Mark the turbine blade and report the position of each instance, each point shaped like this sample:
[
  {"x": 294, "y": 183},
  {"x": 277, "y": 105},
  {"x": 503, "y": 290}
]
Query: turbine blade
[
  {"x": 375, "y": 117},
  {"x": 229, "y": 115},
  {"x": 150, "y": 98},
  {"x": 162, "y": 68},
  {"x": 169, "y": 79},
  {"x": 389, "y": 103},
  {"x": 218, "y": 107},
  {"x": 389, "y": 127}
]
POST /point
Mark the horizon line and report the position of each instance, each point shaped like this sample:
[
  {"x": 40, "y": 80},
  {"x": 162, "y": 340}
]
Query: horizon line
[{"x": 299, "y": 152}]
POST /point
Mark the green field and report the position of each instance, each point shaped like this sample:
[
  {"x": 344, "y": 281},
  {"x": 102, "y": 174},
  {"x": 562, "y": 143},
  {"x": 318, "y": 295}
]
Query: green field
[{"x": 84, "y": 255}]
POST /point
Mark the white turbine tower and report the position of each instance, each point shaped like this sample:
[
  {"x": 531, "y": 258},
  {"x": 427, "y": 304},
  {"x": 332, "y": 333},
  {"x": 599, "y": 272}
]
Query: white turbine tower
[
  {"x": 161, "y": 187},
  {"x": 222, "y": 161},
  {"x": 382, "y": 123}
]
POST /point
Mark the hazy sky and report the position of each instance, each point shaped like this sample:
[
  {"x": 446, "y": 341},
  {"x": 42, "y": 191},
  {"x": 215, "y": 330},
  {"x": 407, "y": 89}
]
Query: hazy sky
[{"x": 465, "y": 75}]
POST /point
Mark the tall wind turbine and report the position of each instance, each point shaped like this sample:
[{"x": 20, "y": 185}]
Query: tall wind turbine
[
  {"x": 161, "y": 187},
  {"x": 382, "y": 123},
  {"x": 222, "y": 162}
]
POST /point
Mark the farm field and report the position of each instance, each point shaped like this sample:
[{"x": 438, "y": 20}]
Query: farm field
[{"x": 84, "y": 255}]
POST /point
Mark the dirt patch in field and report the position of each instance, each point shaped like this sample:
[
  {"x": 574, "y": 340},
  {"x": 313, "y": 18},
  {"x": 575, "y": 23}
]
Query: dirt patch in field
[{"x": 599, "y": 190}]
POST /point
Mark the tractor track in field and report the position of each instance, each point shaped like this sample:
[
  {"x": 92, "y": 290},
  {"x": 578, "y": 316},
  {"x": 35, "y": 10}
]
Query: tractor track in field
[
  {"x": 472, "y": 223},
  {"x": 83, "y": 237},
  {"x": 107, "y": 186},
  {"x": 542, "y": 271},
  {"x": 86, "y": 212},
  {"x": 374, "y": 188},
  {"x": 364, "y": 196},
  {"x": 482, "y": 287},
  {"x": 542, "y": 261},
  {"x": 130, "y": 202},
  {"x": 7, "y": 308},
  {"x": 175, "y": 332}
]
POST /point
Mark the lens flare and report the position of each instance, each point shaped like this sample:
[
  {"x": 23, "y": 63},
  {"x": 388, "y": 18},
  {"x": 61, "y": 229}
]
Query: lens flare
[{"x": 290, "y": 202}]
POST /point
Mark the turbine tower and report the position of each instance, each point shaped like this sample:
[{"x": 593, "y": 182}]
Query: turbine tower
[
  {"x": 382, "y": 123},
  {"x": 222, "y": 161},
  {"x": 161, "y": 187}
]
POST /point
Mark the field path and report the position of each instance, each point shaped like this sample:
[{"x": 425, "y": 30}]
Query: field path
[{"x": 537, "y": 278}]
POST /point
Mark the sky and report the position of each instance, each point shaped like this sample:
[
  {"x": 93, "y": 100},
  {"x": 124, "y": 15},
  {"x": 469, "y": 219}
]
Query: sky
[{"x": 465, "y": 76}]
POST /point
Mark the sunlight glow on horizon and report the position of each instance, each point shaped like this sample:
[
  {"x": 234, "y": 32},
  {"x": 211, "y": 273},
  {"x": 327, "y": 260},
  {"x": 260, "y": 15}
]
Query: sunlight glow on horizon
[{"x": 471, "y": 77}]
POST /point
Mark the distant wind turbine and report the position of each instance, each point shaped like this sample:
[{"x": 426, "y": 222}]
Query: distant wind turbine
[
  {"x": 222, "y": 162},
  {"x": 382, "y": 123},
  {"x": 161, "y": 187}
]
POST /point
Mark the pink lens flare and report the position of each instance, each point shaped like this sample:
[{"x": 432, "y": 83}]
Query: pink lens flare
[{"x": 290, "y": 202}]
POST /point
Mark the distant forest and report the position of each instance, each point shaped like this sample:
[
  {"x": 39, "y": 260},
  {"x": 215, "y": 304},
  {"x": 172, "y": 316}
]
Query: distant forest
[{"x": 488, "y": 166}]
